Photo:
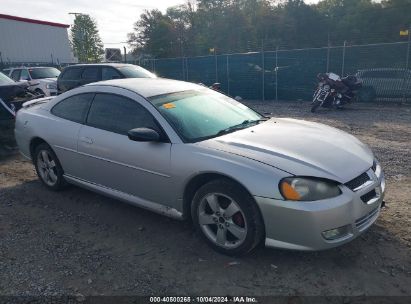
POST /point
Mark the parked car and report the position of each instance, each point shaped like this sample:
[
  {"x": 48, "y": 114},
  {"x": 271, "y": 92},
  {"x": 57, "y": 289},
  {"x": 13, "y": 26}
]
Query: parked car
[
  {"x": 384, "y": 82},
  {"x": 186, "y": 151},
  {"x": 41, "y": 80},
  {"x": 81, "y": 74},
  {"x": 12, "y": 96}
]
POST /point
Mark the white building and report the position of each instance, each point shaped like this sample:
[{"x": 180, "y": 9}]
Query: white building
[{"x": 25, "y": 40}]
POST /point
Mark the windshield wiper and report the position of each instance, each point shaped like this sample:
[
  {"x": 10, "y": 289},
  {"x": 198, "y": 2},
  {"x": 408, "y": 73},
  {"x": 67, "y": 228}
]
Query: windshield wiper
[{"x": 245, "y": 124}]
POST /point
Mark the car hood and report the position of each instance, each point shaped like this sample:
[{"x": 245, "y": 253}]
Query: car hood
[
  {"x": 10, "y": 91},
  {"x": 300, "y": 148}
]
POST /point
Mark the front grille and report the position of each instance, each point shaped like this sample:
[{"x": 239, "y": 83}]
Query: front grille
[
  {"x": 363, "y": 221},
  {"x": 358, "y": 181},
  {"x": 369, "y": 196}
]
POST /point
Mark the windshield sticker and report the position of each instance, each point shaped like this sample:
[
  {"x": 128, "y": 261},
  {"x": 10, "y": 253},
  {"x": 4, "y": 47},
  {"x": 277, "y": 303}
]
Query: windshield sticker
[{"x": 169, "y": 106}]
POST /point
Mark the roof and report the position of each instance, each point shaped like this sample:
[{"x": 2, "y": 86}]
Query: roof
[
  {"x": 34, "y": 21},
  {"x": 149, "y": 87},
  {"x": 102, "y": 64},
  {"x": 27, "y": 67}
]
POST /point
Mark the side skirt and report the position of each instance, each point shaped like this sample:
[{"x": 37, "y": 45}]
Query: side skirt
[{"x": 127, "y": 198}]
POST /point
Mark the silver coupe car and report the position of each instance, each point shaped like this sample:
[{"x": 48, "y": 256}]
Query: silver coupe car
[{"x": 188, "y": 152}]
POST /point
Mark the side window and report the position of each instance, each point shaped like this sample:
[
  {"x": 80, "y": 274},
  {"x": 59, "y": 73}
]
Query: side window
[
  {"x": 72, "y": 74},
  {"x": 91, "y": 73},
  {"x": 74, "y": 108},
  {"x": 118, "y": 114},
  {"x": 15, "y": 75},
  {"x": 24, "y": 75},
  {"x": 110, "y": 73}
]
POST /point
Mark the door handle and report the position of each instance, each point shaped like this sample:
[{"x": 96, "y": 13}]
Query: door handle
[{"x": 86, "y": 140}]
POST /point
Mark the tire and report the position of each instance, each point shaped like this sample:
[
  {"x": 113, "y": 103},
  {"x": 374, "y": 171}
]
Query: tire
[
  {"x": 367, "y": 94},
  {"x": 48, "y": 168},
  {"x": 315, "y": 105},
  {"x": 227, "y": 217}
]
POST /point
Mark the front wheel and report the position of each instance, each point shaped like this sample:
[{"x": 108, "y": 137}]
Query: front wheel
[
  {"x": 315, "y": 105},
  {"x": 227, "y": 217}
]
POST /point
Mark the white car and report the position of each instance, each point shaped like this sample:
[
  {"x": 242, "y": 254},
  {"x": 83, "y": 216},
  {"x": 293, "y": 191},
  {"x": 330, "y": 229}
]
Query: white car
[{"x": 41, "y": 80}]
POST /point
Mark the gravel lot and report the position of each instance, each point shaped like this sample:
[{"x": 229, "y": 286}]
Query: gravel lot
[{"x": 78, "y": 242}]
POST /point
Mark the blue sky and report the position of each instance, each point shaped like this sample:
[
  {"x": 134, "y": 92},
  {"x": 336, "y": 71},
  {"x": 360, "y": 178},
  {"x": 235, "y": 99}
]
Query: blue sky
[{"x": 115, "y": 18}]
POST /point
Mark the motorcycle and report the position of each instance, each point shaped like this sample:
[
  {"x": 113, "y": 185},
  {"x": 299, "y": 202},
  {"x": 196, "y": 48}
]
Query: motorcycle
[{"x": 334, "y": 91}]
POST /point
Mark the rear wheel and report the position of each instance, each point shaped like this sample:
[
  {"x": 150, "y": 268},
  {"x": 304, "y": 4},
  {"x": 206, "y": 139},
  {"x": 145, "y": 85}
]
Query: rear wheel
[
  {"x": 227, "y": 217},
  {"x": 48, "y": 168}
]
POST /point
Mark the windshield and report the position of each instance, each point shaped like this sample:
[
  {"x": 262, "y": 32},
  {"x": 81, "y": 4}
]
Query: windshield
[
  {"x": 204, "y": 114},
  {"x": 136, "y": 72},
  {"x": 4, "y": 80},
  {"x": 40, "y": 73}
]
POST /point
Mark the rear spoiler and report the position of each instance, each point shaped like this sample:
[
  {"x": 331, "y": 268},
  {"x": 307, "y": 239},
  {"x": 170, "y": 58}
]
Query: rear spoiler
[{"x": 33, "y": 102}]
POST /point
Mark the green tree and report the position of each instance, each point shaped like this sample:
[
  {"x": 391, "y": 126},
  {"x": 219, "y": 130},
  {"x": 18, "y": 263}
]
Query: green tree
[
  {"x": 155, "y": 34},
  {"x": 243, "y": 25},
  {"x": 85, "y": 39}
]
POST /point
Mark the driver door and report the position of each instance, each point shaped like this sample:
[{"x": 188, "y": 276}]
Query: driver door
[{"x": 112, "y": 160}]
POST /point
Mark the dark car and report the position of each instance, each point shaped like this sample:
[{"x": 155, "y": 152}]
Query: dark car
[
  {"x": 11, "y": 96},
  {"x": 81, "y": 74}
]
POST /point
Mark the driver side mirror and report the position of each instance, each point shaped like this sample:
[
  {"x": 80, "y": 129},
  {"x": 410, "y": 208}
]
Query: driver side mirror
[{"x": 143, "y": 135}]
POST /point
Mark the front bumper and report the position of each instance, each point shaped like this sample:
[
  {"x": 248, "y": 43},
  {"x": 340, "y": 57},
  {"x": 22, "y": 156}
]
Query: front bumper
[{"x": 300, "y": 225}]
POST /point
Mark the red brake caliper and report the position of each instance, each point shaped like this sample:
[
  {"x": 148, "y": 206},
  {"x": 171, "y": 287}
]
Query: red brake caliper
[{"x": 238, "y": 219}]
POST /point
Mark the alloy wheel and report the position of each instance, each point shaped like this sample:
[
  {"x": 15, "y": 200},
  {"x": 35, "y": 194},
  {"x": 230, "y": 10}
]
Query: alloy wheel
[{"x": 222, "y": 220}]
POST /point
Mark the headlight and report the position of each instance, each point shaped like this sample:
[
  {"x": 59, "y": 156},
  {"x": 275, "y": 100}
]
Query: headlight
[
  {"x": 376, "y": 167},
  {"x": 51, "y": 86},
  {"x": 308, "y": 189}
]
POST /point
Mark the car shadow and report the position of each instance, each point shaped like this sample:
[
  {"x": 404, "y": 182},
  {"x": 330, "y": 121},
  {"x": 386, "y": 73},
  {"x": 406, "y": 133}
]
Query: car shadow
[{"x": 116, "y": 244}]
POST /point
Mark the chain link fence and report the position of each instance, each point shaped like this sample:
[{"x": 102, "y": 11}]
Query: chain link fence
[
  {"x": 291, "y": 74},
  {"x": 284, "y": 74}
]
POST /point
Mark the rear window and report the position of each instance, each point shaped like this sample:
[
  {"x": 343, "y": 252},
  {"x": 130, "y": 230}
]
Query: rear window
[
  {"x": 74, "y": 108},
  {"x": 72, "y": 74},
  {"x": 135, "y": 72},
  {"x": 41, "y": 73},
  {"x": 15, "y": 75},
  {"x": 4, "y": 80}
]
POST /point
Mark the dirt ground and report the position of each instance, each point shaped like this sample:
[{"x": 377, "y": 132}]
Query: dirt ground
[{"x": 78, "y": 242}]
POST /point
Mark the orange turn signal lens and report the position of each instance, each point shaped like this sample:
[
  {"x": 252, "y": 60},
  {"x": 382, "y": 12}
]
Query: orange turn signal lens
[{"x": 288, "y": 192}]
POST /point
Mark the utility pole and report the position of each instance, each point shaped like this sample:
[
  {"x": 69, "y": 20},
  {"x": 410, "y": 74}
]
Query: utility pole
[
  {"x": 276, "y": 73},
  {"x": 343, "y": 59},
  {"x": 263, "y": 68},
  {"x": 328, "y": 51},
  {"x": 407, "y": 64},
  {"x": 328, "y": 21},
  {"x": 182, "y": 55},
  {"x": 125, "y": 54},
  {"x": 216, "y": 64}
]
